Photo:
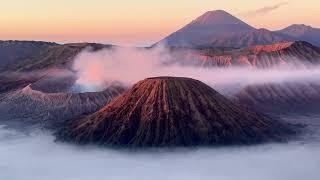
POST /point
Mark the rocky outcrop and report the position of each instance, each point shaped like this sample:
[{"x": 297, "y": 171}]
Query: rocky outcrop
[
  {"x": 289, "y": 54},
  {"x": 34, "y": 107},
  {"x": 173, "y": 111}
]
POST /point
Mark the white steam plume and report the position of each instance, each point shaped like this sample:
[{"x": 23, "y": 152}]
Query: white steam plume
[{"x": 129, "y": 65}]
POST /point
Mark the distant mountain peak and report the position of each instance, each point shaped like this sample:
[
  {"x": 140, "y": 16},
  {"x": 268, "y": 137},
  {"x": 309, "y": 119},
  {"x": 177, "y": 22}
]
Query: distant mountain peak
[
  {"x": 219, "y": 28},
  {"x": 218, "y": 11},
  {"x": 298, "y": 29},
  {"x": 303, "y": 32},
  {"x": 211, "y": 24},
  {"x": 215, "y": 13},
  {"x": 300, "y": 26},
  {"x": 217, "y": 17}
]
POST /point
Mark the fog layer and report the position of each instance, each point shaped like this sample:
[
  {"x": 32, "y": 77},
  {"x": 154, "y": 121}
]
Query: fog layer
[{"x": 36, "y": 157}]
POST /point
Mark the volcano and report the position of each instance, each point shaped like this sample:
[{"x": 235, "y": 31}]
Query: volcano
[
  {"x": 221, "y": 29},
  {"x": 173, "y": 111},
  {"x": 211, "y": 24},
  {"x": 34, "y": 106}
]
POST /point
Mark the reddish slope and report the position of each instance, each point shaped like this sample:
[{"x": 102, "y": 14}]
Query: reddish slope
[
  {"x": 169, "y": 111},
  {"x": 262, "y": 56}
]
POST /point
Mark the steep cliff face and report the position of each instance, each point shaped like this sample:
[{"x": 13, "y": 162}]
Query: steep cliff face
[
  {"x": 262, "y": 56},
  {"x": 282, "y": 97},
  {"x": 34, "y": 107},
  {"x": 294, "y": 53},
  {"x": 173, "y": 111}
]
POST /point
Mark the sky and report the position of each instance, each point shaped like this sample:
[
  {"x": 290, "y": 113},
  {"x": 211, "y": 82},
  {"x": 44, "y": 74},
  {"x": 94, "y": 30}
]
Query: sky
[{"x": 137, "y": 22}]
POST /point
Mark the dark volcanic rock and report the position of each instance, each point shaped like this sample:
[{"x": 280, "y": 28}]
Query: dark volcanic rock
[
  {"x": 55, "y": 83},
  {"x": 12, "y": 52},
  {"x": 289, "y": 97},
  {"x": 30, "y": 106},
  {"x": 55, "y": 56},
  {"x": 10, "y": 82},
  {"x": 173, "y": 111}
]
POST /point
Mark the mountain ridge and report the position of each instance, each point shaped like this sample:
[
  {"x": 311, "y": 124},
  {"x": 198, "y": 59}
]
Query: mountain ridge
[
  {"x": 287, "y": 54},
  {"x": 303, "y": 32},
  {"x": 173, "y": 111},
  {"x": 210, "y": 24},
  {"x": 221, "y": 29}
]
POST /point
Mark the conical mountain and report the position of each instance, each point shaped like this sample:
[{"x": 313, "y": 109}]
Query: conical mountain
[
  {"x": 173, "y": 111},
  {"x": 217, "y": 17},
  {"x": 206, "y": 27}
]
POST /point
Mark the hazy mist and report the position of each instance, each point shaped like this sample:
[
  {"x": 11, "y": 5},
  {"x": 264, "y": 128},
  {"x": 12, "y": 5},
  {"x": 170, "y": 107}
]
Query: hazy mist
[
  {"x": 37, "y": 157},
  {"x": 130, "y": 65}
]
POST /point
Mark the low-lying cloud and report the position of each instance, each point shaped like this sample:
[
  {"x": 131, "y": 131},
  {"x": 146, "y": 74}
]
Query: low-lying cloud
[
  {"x": 37, "y": 157},
  {"x": 130, "y": 65}
]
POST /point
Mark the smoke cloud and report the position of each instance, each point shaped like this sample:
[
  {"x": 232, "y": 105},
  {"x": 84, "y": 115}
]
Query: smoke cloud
[{"x": 130, "y": 65}]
